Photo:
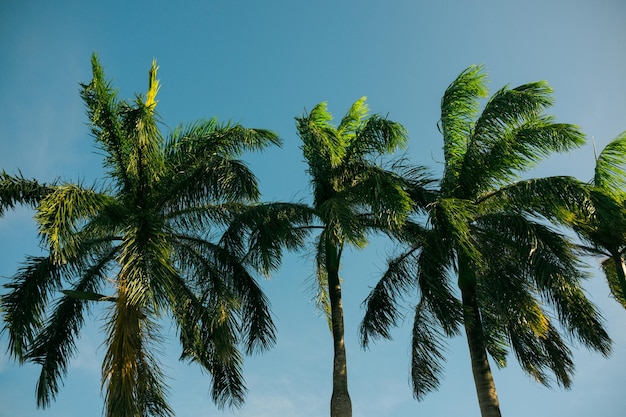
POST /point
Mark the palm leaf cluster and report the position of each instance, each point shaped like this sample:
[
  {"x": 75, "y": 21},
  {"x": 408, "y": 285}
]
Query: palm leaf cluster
[{"x": 152, "y": 243}]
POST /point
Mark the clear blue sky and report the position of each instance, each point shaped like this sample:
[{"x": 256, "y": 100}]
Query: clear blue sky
[{"x": 261, "y": 63}]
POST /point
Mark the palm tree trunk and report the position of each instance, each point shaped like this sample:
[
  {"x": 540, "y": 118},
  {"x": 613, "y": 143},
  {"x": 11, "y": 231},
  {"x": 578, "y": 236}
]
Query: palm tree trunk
[
  {"x": 340, "y": 403},
  {"x": 119, "y": 373},
  {"x": 483, "y": 378}
]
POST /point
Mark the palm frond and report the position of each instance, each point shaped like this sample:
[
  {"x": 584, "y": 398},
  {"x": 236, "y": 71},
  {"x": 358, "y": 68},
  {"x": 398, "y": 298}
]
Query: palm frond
[
  {"x": 320, "y": 285},
  {"x": 322, "y": 146},
  {"x": 381, "y": 304},
  {"x": 434, "y": 263},
  {"x": 208, "y": 334},
  {"x": 459, "y": 108},
  {"x": 539, "y": 353},
  {"x": 61, "y": 214},
  {"x": 353, "y": 119},
  {"x": 497, "y": 160},
  {"x": 341, "y": 222},
  {"x": 55, "y": 344},
  {"x": 266, "y": 230},
  {"x": 379, "y": 191},
  {"x": 16, "y": 190},
  {"x": 615, "y": 280},
  {"x": 24, "y": 305},
  {"x": 556, "y": 270},
  {"x": 206, "y": 178},
  {"x": 427, "y": 352},
  {"x": 221, "y": 274},
  {"x": 377, "y": 136},
  {"x": 610, "y": 171},
  {"x": 103, "y": 110},
  {"x": 509, "y": 108}
]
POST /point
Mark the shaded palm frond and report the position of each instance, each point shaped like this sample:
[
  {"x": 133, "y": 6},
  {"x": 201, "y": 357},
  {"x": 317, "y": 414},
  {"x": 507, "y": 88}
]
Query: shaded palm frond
[
  {"x": 556, "y": 270},
  {"x": 380, "y": 192},
  {"x": 103, "y": 110},
  {"x": 55, "y": 344},
  {"x": 16, "y": 190},
  {"x": 434, "y": 263},
  {"x": 208, "y": 335},
  {"x": 427, "y": 352},
  {"x": 381, "y": 304},
  {"x": 261, "y": 232},
  {"x": 539, "y": 353},
  {"x": 560, "y": 199},
  {"x": 616, "y": 282},
  {"x": 24, "y": 305}
]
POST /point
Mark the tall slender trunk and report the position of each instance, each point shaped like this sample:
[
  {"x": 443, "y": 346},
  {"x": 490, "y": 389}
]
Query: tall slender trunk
[
  {"x": 483, "y": 378},
  {"x": 340, "y": 403}
]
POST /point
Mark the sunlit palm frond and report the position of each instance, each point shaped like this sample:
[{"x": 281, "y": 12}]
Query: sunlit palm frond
[
  {"x": 377, "y": 136},
  {"x": 610, "y": 170},
  {"x": 353, "y": 119},
  {"x": 459, "y": 108},
  {"x": 509, "y": 153},
  {"x": 62, "y": 213},
  {"x": 323, "y": 147}
]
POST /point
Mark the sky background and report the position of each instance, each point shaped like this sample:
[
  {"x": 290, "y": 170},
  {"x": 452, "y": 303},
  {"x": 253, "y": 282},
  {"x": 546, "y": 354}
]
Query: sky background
[{"x": 262, "y": 63}]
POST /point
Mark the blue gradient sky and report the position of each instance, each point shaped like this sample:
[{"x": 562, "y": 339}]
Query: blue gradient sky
[{"x": 261, "y": 63}]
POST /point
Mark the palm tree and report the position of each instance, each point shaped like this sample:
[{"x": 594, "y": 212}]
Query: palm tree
[
  {"x": 602, "y": 222},
  {"x": 489, "y": 231},
  {"x": 352, "y": 195},
  {"x": 146, "y": 244}
]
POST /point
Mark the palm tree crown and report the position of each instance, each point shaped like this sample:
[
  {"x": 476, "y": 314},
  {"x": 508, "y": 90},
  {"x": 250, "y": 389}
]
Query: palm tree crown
[{"x": 149, "y": 243}]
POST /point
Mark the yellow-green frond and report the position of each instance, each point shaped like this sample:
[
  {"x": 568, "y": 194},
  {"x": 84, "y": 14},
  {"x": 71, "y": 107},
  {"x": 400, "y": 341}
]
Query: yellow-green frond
[{"x": 153, "y": 85}]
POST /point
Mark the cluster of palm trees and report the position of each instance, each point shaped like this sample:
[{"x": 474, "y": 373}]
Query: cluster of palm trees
[{"x": 177, "y": 232}]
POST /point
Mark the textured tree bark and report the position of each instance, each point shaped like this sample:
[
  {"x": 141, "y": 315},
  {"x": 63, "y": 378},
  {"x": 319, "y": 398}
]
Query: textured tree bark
[
  {"x": 483, "y": 378},
  {"x": 340, "y": 403}
]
